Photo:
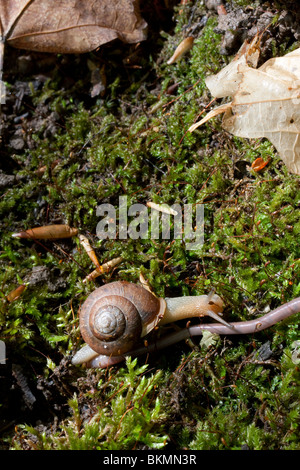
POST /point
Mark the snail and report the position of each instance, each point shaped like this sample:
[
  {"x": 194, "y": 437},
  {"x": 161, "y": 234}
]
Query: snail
[
  {"x": 168, "y": 310},
  {"x": 115, "y": 316}
]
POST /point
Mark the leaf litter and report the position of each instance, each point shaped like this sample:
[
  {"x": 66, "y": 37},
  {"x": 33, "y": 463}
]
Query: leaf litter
[
  {"x": 265, "y": 101},
  {"x": 68, "y": 26}
]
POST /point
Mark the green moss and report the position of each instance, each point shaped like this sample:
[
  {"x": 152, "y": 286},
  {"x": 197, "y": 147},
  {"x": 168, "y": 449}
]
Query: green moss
[
  {"x": 233, "y": 425},
  {"x": 128, "y": 416}
]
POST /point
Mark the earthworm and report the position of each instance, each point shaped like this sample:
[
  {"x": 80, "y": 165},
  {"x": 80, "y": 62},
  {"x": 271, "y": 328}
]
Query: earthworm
[{"x": 237, "y": 328}]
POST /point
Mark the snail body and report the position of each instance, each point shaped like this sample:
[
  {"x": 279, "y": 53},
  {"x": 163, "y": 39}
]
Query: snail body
[{"x": 115, "y": 317}]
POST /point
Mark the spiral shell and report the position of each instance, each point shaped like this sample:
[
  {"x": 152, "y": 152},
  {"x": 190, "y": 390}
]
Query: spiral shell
[{"x": 115, "y": 316}]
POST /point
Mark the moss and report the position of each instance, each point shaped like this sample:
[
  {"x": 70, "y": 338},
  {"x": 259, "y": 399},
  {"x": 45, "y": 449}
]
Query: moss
[
  {"x": 251, "y": 417},
  {"x": 129, "y": 417}
]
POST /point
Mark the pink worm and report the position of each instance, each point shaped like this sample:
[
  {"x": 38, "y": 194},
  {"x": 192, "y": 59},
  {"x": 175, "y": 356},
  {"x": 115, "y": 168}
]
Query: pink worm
[{"x": 237, "y": 328}]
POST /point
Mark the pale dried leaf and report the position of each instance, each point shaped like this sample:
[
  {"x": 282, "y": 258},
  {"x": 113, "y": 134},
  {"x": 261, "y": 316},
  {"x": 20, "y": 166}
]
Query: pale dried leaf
[
  {"x": 227, "y": 81},
  {"x": 208, "y": 339},
  {"x": 265, "y": 104}
]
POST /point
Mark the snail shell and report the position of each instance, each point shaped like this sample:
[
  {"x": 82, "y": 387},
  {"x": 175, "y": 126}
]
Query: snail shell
[{"x": 115, "y": 316}]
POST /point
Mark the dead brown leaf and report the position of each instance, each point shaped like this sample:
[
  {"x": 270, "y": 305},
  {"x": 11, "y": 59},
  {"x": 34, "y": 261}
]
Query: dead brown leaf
[{"x": 68, "y": 26}]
